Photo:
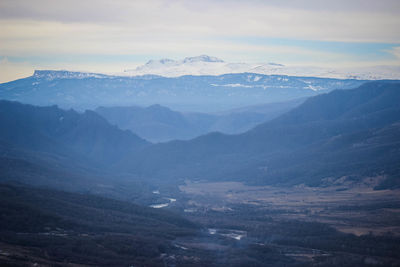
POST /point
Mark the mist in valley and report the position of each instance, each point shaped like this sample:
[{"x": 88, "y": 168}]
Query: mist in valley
[{"x": 266, "y": 146}]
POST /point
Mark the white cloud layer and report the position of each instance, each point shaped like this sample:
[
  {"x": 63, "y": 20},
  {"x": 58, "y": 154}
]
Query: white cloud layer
[{"x": 351, "y": 20}]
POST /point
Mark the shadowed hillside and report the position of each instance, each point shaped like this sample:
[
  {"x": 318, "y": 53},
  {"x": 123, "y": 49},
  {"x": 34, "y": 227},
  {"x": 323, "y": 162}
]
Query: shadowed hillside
[{"x": 159, "y": 124}]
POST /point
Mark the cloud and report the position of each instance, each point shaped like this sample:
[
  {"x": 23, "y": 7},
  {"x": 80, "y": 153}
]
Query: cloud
[
  {"x": 396, "y": 52},
  {"x": 26, "y": 38},
  {"x": 351, "y": 20}
]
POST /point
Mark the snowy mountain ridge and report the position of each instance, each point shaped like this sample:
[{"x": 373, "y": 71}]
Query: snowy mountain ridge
[
  {"x": 213, "y": 66},
  {"x": 207, "y": 65},
  {"x": 64, "y": 74}
]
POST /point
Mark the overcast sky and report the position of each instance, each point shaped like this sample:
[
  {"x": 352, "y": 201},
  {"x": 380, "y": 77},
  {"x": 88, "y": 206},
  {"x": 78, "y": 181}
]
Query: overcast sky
[{"x": 110, "y": 36}]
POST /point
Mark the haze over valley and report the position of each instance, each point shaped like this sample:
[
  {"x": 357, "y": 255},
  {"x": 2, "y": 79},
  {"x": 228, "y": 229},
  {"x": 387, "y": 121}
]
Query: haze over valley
[{"x": 225, "y": 137}]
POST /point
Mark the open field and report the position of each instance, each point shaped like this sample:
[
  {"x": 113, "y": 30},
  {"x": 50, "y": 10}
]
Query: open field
[{"x": 357, "y": 209}]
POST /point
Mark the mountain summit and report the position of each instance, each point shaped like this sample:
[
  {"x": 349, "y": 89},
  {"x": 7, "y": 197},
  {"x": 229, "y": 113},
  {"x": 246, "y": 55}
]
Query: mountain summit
[
  {"x": 208, "y": 65},
  {"x": 198, "y": 65},
  {"x": 186, "y": 60}
]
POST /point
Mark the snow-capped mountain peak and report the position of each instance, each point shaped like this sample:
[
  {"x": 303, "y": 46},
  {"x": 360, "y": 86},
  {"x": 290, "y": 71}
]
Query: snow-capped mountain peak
[{"x": 208, "y": 65}]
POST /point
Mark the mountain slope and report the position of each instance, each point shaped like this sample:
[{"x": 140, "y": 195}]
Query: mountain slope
[
  {"x": 52, "y": 130},
  {"x": 48, "y": 146},
  {"x": 155, "y": 123},
  {"x": 159, "y": 124},
  {"x": 282, "y": 145}
]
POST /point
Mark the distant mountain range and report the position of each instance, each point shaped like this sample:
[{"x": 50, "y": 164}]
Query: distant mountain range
[
  {"x": 189, "y": 93},
  {"x": 206, "y": 65},
  {"x": 159, "y": 124},
  {"x": 345, "y": 133}
]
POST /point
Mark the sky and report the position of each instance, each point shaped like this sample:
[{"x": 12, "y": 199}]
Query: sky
[{"x": 111, "y": 36}]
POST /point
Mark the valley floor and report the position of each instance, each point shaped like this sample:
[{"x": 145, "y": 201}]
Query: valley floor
[
  {"x": 356, "y": 208},
  {"x": 346, "y": 223}
]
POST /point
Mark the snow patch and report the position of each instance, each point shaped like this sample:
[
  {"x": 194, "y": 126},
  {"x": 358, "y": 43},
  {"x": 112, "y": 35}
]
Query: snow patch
[
  {"x": 233, "y": 85},
  {"x": 207, "y": 65}
]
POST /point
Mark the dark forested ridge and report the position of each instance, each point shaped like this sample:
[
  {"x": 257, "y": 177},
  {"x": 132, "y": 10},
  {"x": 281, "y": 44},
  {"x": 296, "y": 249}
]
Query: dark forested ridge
[
  {"x": 69, "y": 133},
  {"x": 48, "y": 146}
]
